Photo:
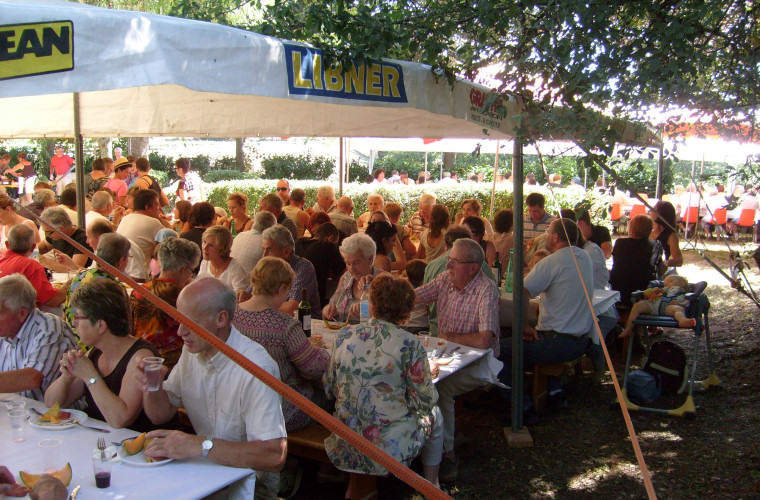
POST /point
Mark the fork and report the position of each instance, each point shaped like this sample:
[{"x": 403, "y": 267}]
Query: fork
[{"x": 102, "y": 448}]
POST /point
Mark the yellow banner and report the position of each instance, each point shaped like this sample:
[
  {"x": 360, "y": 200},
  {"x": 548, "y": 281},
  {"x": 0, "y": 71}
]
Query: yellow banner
[{"x": 34, "y": 49}]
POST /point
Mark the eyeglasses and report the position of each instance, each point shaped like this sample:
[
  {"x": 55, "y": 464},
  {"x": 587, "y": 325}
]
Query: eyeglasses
[
  {"x": 282, "y": 189},
  {"x": 78, "y": 317},
  {"x": 457, "y": 261}
]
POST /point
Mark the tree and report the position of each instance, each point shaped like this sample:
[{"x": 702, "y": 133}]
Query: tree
[{"x": 624, "y": 57}]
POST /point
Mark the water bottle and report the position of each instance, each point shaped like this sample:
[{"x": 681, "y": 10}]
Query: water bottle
[
  {"x": 232, "y": 228},
  {"x": 364, "y": 306},
  {"x": 509, "y": 278}
]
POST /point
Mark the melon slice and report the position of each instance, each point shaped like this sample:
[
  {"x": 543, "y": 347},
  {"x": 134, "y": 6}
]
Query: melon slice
[
  {"x": 29, "y": 480},
  {"x": 134, "y": 446},
  {"x": 54, "y": 415}
]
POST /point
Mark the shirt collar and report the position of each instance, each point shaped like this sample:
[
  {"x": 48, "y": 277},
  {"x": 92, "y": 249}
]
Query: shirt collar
[
  {"x": 24, "y": 331},
  {"x": 219, "y": 359}
]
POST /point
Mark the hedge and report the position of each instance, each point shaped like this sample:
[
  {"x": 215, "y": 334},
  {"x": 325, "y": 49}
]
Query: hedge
[{"x": 407, "y": 196}]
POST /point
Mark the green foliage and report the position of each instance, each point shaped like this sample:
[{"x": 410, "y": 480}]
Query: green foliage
[
  {"x": 226, "y": 175},
  {"x": 298, "y": 167},
  {"x": 747, "y": 174}
]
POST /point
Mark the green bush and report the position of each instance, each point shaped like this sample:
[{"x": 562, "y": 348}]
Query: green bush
[
  {"x": 226, "y": 175},
  {"x": 298, "y": 167}
]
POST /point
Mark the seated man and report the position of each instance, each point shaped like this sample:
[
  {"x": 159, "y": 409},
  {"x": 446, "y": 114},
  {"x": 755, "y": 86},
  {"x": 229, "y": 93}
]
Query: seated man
[
  {"x": 468, "y": 314},
  {"x": 60, "y": 220},
  {"x": 272, "y": 203},
  {"x": 325, "y": 200},
  {"x": 278, "y": 242},
  {"x": 16, "y": 259},
  {"x": 375, "y": 202},
  {"x": 535, "y": 223},
  {"x": 246, "y": 247},
  {"x": 343, "y": 217},
  {"x": 32, "y": 341},
  {"x": 237, "y": 418},
  {"x": 564, "y": 317}
]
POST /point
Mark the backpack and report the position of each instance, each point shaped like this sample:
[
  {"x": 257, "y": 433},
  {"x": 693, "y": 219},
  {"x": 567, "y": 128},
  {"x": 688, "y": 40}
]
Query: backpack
[{"x": 667, "y": 363}]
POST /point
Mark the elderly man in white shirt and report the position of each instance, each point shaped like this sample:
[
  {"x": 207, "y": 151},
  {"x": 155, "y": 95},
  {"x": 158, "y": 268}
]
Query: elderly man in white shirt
[{"x": 238, "y": 419}]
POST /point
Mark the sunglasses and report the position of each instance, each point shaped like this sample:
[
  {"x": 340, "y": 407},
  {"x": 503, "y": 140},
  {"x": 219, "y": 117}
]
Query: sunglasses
[{"x": 282, "y": 189}]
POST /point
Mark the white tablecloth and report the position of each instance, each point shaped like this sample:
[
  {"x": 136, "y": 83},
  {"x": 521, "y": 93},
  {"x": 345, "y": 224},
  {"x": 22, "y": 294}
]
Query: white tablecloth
[
  {"x": 602, "y": 300},
  {"x": 185, "y": 479}
]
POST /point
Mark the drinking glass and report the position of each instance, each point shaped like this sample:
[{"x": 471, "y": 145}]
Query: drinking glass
[
  {"x": 152, "y": 370},
  {"x": 18, "y": 420}
]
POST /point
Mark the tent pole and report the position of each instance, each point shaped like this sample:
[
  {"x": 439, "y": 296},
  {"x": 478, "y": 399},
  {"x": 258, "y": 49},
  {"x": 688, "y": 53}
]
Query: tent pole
[
  {"x": 493, "y": 185},
  {"x": 340, "y": 169},
  {"x": 517, "y": 288},
  {"x": 660, "y": 166},
  {"x": 79, "y": 174}
]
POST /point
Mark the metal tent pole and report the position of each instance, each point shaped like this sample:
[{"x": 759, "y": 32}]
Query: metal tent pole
[{"x": 79, "y": 162}]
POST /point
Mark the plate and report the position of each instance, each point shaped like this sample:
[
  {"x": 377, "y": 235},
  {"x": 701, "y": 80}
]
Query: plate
[
  {"x": 138, "y": 459},
  {"x": 80, "y": 416}
]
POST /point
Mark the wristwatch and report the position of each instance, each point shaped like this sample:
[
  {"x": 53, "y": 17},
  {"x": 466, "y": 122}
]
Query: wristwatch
[
  {"x": 206, "y": 446},
  {"x": 92, "y": 380}
]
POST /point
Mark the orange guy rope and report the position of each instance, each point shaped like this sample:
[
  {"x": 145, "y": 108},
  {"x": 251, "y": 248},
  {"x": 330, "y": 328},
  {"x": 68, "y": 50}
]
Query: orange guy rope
[{"x": 333, "y": 424}]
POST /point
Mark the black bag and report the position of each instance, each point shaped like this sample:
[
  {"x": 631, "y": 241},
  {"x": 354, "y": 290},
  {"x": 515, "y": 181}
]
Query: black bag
[{"x": 667, "y": 362}]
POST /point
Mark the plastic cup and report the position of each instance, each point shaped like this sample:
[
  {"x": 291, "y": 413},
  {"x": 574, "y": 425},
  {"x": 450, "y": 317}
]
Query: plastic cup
[
  {"x": 18, "y": 421},
  {"x": 15, "y": 404},
  {"x": 152, "y": 370},
  {"x": 51, "y": 454},
  {"x": 101, "y": 468}
]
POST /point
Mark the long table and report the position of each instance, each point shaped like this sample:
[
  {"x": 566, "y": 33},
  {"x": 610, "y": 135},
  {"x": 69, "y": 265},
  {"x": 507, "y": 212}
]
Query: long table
[
  {"x": 450, "y": 355},
  {"x": 602, "y": 300},
  {"x": 180, "y": 479}
]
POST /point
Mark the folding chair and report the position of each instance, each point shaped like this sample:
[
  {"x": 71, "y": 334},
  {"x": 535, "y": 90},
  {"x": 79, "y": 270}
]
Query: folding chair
[
  {"x": 746, "y": 220},
  {"x": 689, "y": 222},
  {"x": 719, "y": 219},
  {"x": 698, "y": 308},
  {"x": 616, "y": 216}
]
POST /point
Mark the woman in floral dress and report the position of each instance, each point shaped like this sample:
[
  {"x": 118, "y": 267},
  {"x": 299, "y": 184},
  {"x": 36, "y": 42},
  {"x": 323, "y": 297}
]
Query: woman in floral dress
[{"x": 382, "y": 384}]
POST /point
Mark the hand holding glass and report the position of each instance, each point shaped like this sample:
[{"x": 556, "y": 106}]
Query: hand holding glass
[{"x": 152, "y": 369}]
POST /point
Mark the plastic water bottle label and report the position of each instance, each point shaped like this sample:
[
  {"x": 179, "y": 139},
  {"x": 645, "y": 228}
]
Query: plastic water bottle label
[
  {"x": 307, "y": 322},
  {"x": 364, "y": 311}
]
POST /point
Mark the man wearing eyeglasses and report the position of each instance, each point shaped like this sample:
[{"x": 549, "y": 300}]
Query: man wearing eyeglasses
[{"x": 468, "y": 314}]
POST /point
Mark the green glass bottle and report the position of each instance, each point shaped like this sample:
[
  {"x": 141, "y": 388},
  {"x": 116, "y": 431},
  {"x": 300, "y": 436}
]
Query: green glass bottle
[{"x": 509, "y": 277}]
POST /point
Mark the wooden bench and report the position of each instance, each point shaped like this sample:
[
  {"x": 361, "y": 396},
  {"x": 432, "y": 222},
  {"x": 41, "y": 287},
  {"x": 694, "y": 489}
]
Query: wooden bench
[
  {"x": 309, "y": 443},
  {"x": 541, "y": 374}
]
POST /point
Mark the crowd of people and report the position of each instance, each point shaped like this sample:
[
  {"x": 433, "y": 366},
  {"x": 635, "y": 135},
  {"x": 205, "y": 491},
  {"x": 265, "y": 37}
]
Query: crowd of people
[{"x": 242, "y": 278}]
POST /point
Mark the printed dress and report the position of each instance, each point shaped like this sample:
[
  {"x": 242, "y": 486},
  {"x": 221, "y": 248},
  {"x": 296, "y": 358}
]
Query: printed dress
[{"x": 380, "y": 379}]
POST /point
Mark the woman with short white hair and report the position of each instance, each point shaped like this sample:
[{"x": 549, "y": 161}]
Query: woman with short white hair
[{"x": 358, "y": 252}]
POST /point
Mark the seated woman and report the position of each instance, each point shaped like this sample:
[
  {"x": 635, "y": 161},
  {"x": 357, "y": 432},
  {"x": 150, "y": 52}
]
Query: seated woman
[
  {"x": 635, "y": 259},
  {"x": 476, "y": 227},
  {"x": 503, "y": 237},
  {"x": 431, "y": 240},
  {"x": 358, "y": 251},
  {"x": 388, "y": 395},
  {"x": 301, "y": 363},
  {"x": 178, "y": 257},
  {"x": 472, "y": 208},
  {"x": 9, "y": 218},
  {"x": 105, "y": 376},
  {"x": 237, "y": 203},
  {"x": 181, "y": 215},
  {"x": 664, "y": 215},
  {"x": 217, "y": 263},
  {"x": 384, "y": 235}
]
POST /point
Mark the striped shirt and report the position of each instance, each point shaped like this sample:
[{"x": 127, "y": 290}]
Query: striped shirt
[
  {"x": 473, "y": 309},
  {"x": 532, "y": 229},
  {"x": 39, "y": 344}
]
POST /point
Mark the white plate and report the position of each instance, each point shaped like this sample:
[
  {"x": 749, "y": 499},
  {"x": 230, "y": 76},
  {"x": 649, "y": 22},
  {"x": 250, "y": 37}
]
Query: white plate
[
  {"x": 138, "y": 459},
  {"x": 80, "y": 416}
]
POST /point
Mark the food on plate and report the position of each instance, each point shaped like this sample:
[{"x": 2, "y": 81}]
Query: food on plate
[
  {"x": 135, "y": 446},
  {"x": 152, "y": 459},
  {"x": 63, "y": 475},
  {"x": 54, "y": 415},
  {"x": 335, "y": 326}
]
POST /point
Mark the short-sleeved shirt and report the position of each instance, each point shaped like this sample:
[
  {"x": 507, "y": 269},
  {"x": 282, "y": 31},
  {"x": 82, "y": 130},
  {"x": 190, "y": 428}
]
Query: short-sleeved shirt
[
  {"x": 224, "y": 401},
  {"x": 61, "y": 164},
  {"x": 65, "y": 247},
  {"x": 118, "y": 186},
  {"x": 39, "y": 344},
  {"x": 563, "y": 307},
  {"x": 11, "y": 263},
  {"x": 234, "y": 277},
  {"x": 473, "y": 309},
  {"x": 306, "y": 277},
  {"x": 532, "y": 229}
]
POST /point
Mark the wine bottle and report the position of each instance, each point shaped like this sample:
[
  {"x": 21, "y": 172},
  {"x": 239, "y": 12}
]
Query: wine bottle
[
  {"x": 497, "y": 271},
  {"x": 304, "y": 313}
]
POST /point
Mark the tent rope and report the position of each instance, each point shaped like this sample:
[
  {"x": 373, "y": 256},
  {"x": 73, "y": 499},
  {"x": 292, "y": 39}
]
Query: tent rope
[
  {"x": 330, "y": 422},
  {"x": 646, "y": 475}
]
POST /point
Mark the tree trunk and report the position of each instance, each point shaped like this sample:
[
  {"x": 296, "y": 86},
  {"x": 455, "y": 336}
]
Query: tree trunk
[
  {"x": 104, "y": 147},
  {"x": 448, "y": 161},
  {"x": 138, "y": 147},
  {"x": 240, "y": 154}
]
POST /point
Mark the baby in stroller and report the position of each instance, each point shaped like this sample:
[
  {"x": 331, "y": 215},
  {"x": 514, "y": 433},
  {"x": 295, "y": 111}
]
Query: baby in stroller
[{"x": 667, "y": 301}]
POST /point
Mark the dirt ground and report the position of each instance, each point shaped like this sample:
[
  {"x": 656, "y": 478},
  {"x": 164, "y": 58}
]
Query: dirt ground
[{"x": 584, "y": 451}]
